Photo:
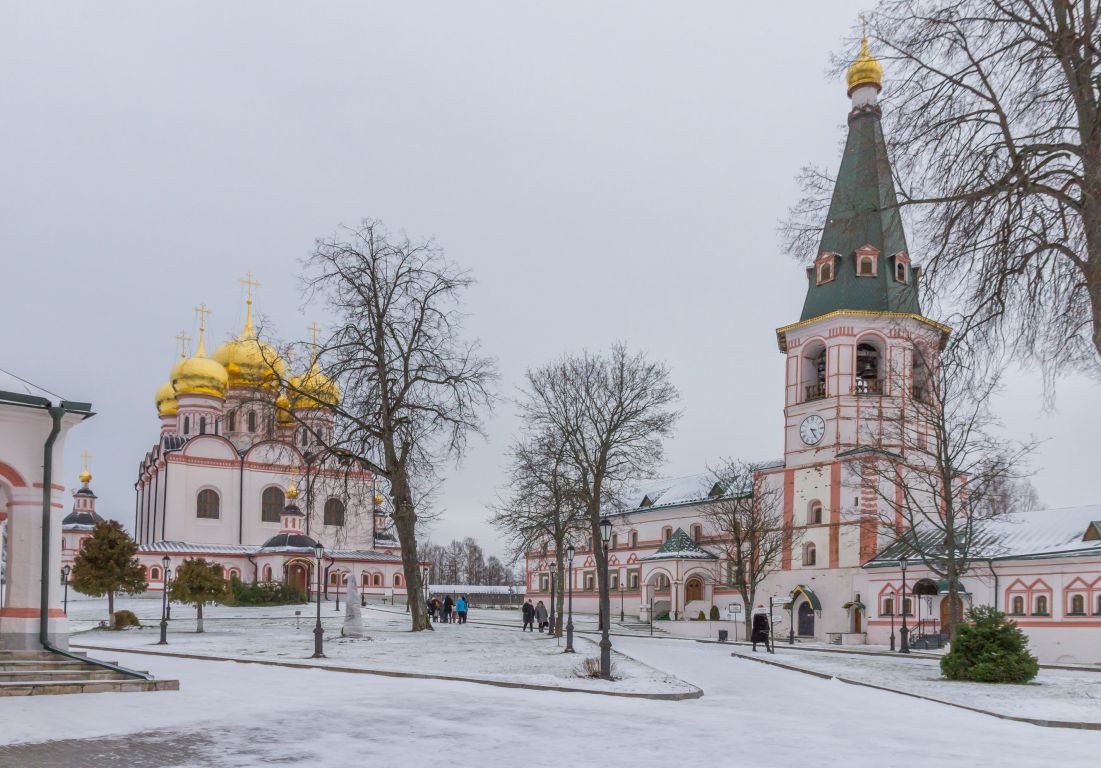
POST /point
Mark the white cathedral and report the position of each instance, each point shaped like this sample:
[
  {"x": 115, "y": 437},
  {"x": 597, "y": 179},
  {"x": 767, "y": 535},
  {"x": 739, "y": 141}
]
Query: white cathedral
[{"x": 238, "y": 476}]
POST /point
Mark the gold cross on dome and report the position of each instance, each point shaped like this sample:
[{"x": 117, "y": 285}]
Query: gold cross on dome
[
  {"x": 314, "y": 329},
  {"x": 202, "y": 312},
  {"x": 184, "y": 339},
  {"x": 249, "y": 283},
  {"x": 84, "y": 457}
]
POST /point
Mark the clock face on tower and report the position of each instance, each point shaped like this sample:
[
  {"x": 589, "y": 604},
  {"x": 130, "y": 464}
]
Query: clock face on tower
[{"x": 812, "y": 429}]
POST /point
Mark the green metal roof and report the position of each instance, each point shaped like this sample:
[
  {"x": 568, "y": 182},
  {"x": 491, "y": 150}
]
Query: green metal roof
[{"x": 863, "y": 211}]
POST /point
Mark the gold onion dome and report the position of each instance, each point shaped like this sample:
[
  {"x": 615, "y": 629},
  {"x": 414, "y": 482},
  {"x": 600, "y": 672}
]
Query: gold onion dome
[
  {"x": 199, "y": 375},
  {"x": 283, "y": 415},
  {"x": 866, "y": 70},
  {"x": 166, "y": 399},
  {"x": 85, "y": 476},
  {"x": 249, "y": 361},
  {"x": 292, "y": 491},
  {"x": 316, "y": 390}
]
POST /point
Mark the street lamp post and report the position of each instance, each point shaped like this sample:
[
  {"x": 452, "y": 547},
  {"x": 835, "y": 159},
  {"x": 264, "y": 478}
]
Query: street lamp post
[
  {"x": 65, "y": 571},
  {"x": 893, "y": 602},
  {"x": 621, "y": 613},
  {"x": 569, "y": 608},
  {"x": 318, "y": 634},
  {"x": 165, "y": 561},
  {"x": 904, "y": 633},
  {"x": 553, "y": 578},
  {"x": 605, "y": 607}
]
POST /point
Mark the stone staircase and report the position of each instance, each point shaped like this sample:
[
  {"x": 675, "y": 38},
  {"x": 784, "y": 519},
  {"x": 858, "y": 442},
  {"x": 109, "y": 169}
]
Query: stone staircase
[{"x": 38, "y": 673}]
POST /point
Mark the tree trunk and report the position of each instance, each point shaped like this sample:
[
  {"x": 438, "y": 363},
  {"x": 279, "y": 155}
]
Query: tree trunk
[
  {"x": 748, "y": 595},
  {"x": 199, "y": 622},
  {"x": 405, "y": 522},
  {"x": 560, "y": 596},
  {"x": 110, "y": 610}
]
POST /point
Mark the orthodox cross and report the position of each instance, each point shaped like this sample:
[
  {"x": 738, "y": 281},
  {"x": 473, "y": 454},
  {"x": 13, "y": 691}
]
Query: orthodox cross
[
  {"x": 183, "y": 338},
  {"x": 249, "y": 283},
  {"x": 314, "y": 329},
  {"x": 202, "y": 312},
  {"x": 84, "y": 457}
]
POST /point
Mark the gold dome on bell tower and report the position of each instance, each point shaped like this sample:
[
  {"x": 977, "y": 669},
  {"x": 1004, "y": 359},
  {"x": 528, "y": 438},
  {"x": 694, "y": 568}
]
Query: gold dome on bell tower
[
  {"x": 866, "y": 70},
  {"x": 199, "y": 375},
  {"x": 249, "y": 361}
]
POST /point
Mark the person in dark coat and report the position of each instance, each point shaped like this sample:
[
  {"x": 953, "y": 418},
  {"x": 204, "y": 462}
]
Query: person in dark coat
[
  {"x": 432, "y": 610},
  {"x": 761, "y": 628},
  {"x": 448, "y": 607},
  {"x": 541, "y": 616},
  {"x": 529, "y": 616}
]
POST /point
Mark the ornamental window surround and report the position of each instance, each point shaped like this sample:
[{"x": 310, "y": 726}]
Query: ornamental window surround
[
  {"x": 814, "y": 513},
  {"x": 1017, "y": 606},
  {"x": 1078, "y": 605},
  {"x": 825, "y": 268},
  {"x": 809, "y": 554},
  {"x": 888, "y": 608},
  {"x": 207, "y": 504},
  {"x": 272, "y": 502},
  {"x": 1041, "y": 606}
]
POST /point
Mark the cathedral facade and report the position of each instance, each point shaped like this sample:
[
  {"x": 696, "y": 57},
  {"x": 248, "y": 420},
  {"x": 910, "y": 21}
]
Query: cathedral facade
[{"x": 858, "y": 357}]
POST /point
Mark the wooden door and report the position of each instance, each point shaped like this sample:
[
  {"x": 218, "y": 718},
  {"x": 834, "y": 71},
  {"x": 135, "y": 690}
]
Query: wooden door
[
  {"x": 693, "y": 590},
  {"x": 806, "y": 620},
  {"x": 858, "y": 620}
]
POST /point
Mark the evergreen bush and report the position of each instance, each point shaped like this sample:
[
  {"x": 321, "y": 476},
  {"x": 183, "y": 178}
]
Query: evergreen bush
[
  {"x": 264, "y": 593},
  {"x": 714, "y": 613},
  {"x": 701, "y": 617},
  {"x": 989, "y": 649},
  {"x": 124, "y": 619}
]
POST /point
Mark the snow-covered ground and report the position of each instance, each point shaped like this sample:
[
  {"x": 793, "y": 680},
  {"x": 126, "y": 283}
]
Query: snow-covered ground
[
  {"x": 472, "y": 650},
  {"x": 244, "y": 715},
  {"x": 1054, "y": 695}
]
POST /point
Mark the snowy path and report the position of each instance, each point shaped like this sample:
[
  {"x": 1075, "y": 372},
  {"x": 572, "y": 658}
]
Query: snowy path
[{"x": 244, "y": 715}]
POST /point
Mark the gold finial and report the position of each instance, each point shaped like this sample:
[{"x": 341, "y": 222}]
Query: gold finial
[
  {"x": 202, "y": 312},
  {"x": 866, "y": 70},
  {"x": 314, "y": 329},
  {"x": 292, "y": 489},
  {"x": 184, "y": 339},
  {"x": 249, "y": 284},
  {"x": 85, "y": 475}
]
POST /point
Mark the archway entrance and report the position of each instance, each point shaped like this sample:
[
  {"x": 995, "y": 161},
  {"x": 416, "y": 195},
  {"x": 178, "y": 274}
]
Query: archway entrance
[
  {"x": 298, "y": 577},
  {"x": 806, "y": 619},
  {"x": 693, "y": 590}
]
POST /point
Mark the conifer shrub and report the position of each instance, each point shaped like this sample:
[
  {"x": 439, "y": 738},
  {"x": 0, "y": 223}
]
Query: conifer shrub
[
  {"x": 264, "y": 593},
  {"x": 989, "y": 649},
  {"x": 714, "y": 613},
  {"x": 701, "y": 616},
  {"x": 107, "y": 564},
  {"x": 124, "y": 619}
]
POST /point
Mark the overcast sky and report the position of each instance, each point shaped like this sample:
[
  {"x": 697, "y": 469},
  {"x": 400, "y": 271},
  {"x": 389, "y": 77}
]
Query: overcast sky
[{"x": 609, "y": 171}]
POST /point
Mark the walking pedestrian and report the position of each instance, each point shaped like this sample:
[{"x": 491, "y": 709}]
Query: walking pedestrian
[
  {"x": 541, "y": 616},
  {"x": 460, "y": 608},
  {"x": 529, "y": 616},
  {"x": 448, "y": 607},
  {"x": 761, "y": 628},
  {"x": 431, "y": 610}
]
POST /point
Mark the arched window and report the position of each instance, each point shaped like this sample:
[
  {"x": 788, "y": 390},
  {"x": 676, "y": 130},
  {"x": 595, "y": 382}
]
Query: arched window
[
  {"x": 334, "y": 512},
  {"x": 907, "y": 607},
  {"x": 233, "y": 421},
  {"x": 615, "y": 541},
  {"x": 867, "y": 370},
  {"x": 303, "y": 436},
  {"x": 888, "y": 607},
  {"x": 207, "y": 504},
  {"x": 272, "y": 503},
  {"x": 809, "y": 554},
  {"x": 814, "y": 513},
  {"x": 697, "y": 533},
  {"x": 1078, "y": 604},
  {"x": 666, "y": 533},
  {"x": 814, "y": 372},
  {"x": 634, "y": 539},
  {"x": 1097, "y": 611},
  {"x": 1018, "y": 605},
  {"x": 397, "y": 579},
  {"x": 202, "y": 425},
  {"x": 825, "y": 272},
  {"x": 267, "y": 573},
  {"x": 900, "y": 272},
  {"x": 1041, "y": 605},
  {"x": 187, "y": 425},
  {"x": 154, "y": 573},
  {"x": 252, "y": 421},
  {"x": 233, "y": 574},
  {"x": 334, "y": 579},
  {"x": 866, "y": 266},
  {"x": 364, "y": 579},
  {"x": 376, "y": 579}
]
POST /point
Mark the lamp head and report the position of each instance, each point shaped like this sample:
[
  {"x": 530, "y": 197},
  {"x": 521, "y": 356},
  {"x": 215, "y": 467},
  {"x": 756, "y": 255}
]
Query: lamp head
[
  {"x": 553, "y": 567},
  {"x": 318, "y": 550},
  {"x": 166, "y": 560},
  {"x": 65, "y": 569},
  {"x": 605, "y": 531},
  {"x": 569, "y": 554}
]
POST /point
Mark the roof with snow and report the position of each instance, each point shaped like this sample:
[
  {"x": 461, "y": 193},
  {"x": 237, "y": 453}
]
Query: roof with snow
[
  {"x": 677, "y": 491},
  {"x": 81, "y": 521},
  {"x": 680, "y": 546},
  {"x": 1042, "y": 533},
  {"x": 476, "y": 589},
  {"x": 189, "y": 548}
]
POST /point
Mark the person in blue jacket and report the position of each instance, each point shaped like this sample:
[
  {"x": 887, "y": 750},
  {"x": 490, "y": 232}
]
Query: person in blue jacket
[{"x": 460, "y": 608}]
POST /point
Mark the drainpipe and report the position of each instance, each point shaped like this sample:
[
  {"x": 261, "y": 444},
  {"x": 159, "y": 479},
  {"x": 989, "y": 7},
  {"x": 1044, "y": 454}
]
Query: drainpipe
[
  {"x": 990, "y": 565},
  {"x": 241, "y": 502},
  {"x": 255, "y": 569},
  {"x": 164, "y": 511}
]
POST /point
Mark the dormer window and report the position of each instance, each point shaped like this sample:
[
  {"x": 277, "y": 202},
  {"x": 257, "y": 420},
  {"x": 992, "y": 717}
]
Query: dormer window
[
  {"x": 866, "y": 261},
  {"x": 900, "y": 272},
  {"x": 825, "y": 268}
]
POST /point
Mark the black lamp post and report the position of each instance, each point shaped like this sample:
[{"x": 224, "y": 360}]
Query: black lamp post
[
  {"x": 65, "y": 571},
  {"x": 318, "y": 634},
  {"x": 569, "y": 608},
  {"x": 605, "y": 607},
  {"x": 893, "y": 602},
  {"x": 164, "y": 601},
  {"x": 339, "y": 578},
  {"x": 621, "y": 614},
  {"x": 553, "y": 575},
  {"x": 904, "y": 633}
]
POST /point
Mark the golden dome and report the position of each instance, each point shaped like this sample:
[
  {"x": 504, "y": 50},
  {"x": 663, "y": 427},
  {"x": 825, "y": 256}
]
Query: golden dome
[
  {"x": 292, "y": 491},
  {"x": 85, "y": 476},
  {"x": 283, "y": 417},
  {"x": 166, "y": 399},
  {"x": 249, "y": 361},
  {"x": 316, "y": 389},
  {"x": 378, "y": 499},
  {"x": 199, "y": 375},
  {"x": 866, "y": 70}
]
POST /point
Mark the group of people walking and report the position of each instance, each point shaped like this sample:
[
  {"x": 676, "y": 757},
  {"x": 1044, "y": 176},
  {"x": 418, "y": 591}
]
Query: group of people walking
[
  {"x": 448, "y": 611},
  {"x": 535, "y": 614}
]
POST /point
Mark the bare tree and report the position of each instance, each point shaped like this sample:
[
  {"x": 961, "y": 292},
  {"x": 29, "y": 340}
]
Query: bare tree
[
  {"x": 938, "y": 465},
  {"x": 611, "y": 412},
  {"x": 542, "y": 506},
  {"x": 993, "y": 117},
  {"x": 411, "y": 389},
  {"x": 748, "y": 520}
]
